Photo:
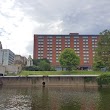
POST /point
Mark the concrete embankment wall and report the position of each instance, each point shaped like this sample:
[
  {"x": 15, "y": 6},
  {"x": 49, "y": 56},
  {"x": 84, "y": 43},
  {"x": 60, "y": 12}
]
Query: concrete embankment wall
[{"x": 50, "y": 80}]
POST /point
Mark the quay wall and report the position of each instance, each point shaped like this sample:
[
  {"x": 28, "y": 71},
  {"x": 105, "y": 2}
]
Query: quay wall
[{"x": 50, "y": 80}]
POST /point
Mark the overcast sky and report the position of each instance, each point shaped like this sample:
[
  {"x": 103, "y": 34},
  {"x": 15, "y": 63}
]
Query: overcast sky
[{"x": 21, "y": 19}]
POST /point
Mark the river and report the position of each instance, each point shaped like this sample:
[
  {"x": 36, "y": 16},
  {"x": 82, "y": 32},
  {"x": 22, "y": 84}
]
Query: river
[{"x": 54, "y": 98}]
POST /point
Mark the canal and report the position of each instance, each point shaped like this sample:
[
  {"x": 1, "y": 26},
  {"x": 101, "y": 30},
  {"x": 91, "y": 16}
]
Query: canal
[{"x": 54, "y": 98}]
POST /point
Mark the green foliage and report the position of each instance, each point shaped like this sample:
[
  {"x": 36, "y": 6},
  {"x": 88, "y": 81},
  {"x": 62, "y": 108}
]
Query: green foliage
[
  {"x": 98, "y": 65},
  {"x": 31, "y": 68},
  {"x": 102, "y": 56},
  {"x": 44, "y": 66},
  {"x": 40, "y": 65},
  {"x": 103, "y": 79},
  {"x": 37, "y": 61},
  {"x": 68, "y": 59},
  {"x": 88, "y": 79}
]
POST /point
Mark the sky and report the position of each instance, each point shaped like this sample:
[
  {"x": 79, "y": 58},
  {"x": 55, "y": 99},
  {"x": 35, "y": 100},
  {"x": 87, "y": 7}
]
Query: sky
[{"x": 21, "y": 19}]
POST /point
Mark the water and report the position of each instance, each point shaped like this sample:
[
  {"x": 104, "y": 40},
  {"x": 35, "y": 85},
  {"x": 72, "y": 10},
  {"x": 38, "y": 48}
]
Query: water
[{"x": 54, "y": 98}]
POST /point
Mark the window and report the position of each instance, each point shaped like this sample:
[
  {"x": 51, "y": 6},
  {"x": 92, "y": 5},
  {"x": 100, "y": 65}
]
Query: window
[
  {"x": 59, "y": 37},
  {"x": 94, "y": 37},
  {"x": 76, "y": 36},
  {"x": 86, "y": 58},
  {"x": 67, "y": 37},
  {"x": 39, "y": 37},
  {"x": 86, "y": 40},
  {"x": 49, "y": 40},
  {"x": 85, "y": 37},
  {"x": 85, "y": 52},
  {"x": 39, "y": 57},
  {"x": 49, "y": 37},
  {"x": 85, "y": 55},
  {"x": 85, "y": 48},
  {"x": 41, "y": 51},
  {"x": 76, "y": 42},
  {"x": 57, "y": 55},
  {"x": 67, "y": 40},
  {"x": 77, "y": 52},
  {"x": 85, "y": 61},
  {"x": 93, "y": 52},
  {"x": 58, "y": 43},
  {"x": 49, "y": 46},
  {"x": 50, "y": 60},
  {"x": 85, "y": 45},
  {"x": 58, "y": 40},
  {"x": 67, "y": 45}
]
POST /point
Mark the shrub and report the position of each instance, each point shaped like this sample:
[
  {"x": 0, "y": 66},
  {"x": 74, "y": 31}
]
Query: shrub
[{"x": 103, "y": 79}]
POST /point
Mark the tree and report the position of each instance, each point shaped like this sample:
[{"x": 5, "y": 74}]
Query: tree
[
  {"x": 102, "y": 54},
  {"x": 37, "y": 61},
  {"x": 68, "y": 59},
  {"x": 43, "y": 64},
  {"x": 98, "y": 65}
]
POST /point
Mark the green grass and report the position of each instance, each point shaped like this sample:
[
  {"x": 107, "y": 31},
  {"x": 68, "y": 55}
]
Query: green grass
[{"x": 76, "y": 72}]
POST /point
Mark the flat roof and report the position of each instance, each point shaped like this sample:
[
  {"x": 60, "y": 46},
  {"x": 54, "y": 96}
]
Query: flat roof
[{"x": 65, "y": 35}]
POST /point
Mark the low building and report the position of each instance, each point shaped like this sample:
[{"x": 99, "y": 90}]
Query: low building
[
  {"x": 10, "y": 69},
  {"x": 20, "y": 60},
  {"x": 13, "y": 69}
]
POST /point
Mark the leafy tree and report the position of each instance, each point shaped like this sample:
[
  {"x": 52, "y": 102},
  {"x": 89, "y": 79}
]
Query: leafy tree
[
  {"x": 102, "y": 56},
  {"x": 44, "y": 66},
  {"x": 31, "y": 68},
  {"x": 98, "y": 65},
  {"x": 37, "y": 61},
  {"x": 68, "y": 59}
]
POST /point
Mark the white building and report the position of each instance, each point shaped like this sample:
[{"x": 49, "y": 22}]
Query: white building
[
  {"x": 29, "y": 61},
  {"x": 6, "y": 57}
]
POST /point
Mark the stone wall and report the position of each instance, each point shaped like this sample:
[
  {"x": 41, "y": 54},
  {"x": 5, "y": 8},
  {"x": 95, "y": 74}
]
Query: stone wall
[
  {"x": 13, "y": 68},
  {"x": 50, "y": 80},
  {"x": 2, "y": 69}
]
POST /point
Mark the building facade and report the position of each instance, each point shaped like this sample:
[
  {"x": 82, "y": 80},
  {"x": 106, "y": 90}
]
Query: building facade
[
  {"x": 6, "y": 57},
  {"x": 0, "y": 45},
  {"x": 29, "y": 61},
  {"x": 20, "y": 60},
  {"x": 50, "y": 46}
]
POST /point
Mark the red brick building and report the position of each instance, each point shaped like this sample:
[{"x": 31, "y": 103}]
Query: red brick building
[{"x": 50, "y": 46}]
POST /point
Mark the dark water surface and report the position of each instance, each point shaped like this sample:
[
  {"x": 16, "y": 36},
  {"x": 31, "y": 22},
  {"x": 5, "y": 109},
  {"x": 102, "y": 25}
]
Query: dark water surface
[{"x": 54, "y": 98}]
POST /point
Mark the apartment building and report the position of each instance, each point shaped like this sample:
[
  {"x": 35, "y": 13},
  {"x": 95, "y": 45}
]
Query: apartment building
[
  {"x": 50, "y": 46},
  {"x": 6, "y": 57}
]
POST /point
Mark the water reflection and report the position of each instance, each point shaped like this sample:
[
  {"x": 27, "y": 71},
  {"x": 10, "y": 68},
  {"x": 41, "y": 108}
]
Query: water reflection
[
  {"x": 54, "y": 98},
  {"x": 104, "y": 102}
]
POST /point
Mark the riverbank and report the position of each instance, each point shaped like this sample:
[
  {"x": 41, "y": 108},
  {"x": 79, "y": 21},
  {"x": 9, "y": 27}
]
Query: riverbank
[
  {"x": 76, "y": 72},
  {"x": 50, "y": 80}
]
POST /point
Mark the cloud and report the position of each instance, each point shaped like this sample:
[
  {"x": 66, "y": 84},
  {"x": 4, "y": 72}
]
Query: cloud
[{"x": 21, "y": 19}]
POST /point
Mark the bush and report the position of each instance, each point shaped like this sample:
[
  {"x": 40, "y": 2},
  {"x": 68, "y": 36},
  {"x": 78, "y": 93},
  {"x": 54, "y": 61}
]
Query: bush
[
  {"x": 31, "y": 68},
  {"x": 103, "y": 79}
]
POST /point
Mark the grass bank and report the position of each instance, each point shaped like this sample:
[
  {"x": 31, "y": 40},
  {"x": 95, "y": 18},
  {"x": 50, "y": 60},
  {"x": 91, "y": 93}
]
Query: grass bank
[{"x": 76, "y": 72}]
